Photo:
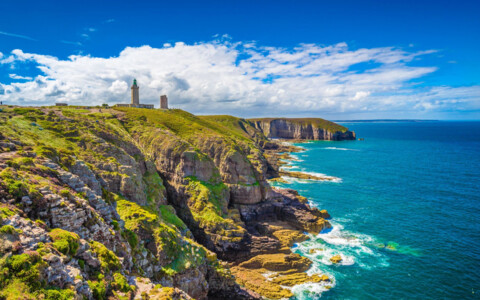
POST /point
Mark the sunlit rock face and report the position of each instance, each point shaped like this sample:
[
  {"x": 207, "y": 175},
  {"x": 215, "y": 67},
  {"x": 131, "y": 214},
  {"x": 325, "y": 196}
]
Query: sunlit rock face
[{"x": 303, "y": 129}]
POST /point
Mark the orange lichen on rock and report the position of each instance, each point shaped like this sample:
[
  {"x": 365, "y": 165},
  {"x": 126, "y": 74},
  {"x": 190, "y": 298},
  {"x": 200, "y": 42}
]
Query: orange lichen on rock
[
  {"x": 278, "y": 262},
  {"x": 253, "y": 280}
]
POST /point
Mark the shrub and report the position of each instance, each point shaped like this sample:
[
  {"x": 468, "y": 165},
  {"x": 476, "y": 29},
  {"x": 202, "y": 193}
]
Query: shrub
[
  {"x": 16, "y": 289},
  {"x": 65, "y": 193},
  {"x": 20, "y": 161},
  {"x": 108, "y": 259},
  {"x": 58, "y": 294},
  {"x": 14, "y": 187},
  {"x": 46, "y": 151},
  {"x": 131, "y": 237},
  {"x": 134, "y": 215},
  {"x": 115, "y": 225},
  {"x": 5, "y": 212},
  {"x": 24, "y": 267},
  {"x": 99, "y": 289},
  {"x": 65, "y": 241},
  {"x": 120, "y": 283},
  {"x": 81, "y": 263},
  {"x": 8, "y": 229}
]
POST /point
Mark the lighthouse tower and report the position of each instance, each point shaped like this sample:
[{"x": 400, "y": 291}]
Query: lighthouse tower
[{"x": 135, "y": 96}]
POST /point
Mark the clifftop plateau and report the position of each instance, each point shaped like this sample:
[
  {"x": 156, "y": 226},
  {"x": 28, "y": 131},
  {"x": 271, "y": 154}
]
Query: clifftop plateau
[
  {"x": 131, "y": 203},
  {"x": 302, "y": 129}
]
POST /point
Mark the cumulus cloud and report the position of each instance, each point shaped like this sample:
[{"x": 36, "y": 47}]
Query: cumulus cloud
[
  {"x": 118, "y": 87},
  {"x": 245, "y": 79}
]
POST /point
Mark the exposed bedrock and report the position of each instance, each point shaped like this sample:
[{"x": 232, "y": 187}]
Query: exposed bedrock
[{"x": 303, "y": 129}]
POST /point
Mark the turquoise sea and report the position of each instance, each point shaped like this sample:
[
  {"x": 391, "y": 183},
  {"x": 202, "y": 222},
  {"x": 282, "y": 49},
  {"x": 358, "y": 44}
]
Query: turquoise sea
[{"x": 405, "y": 211}]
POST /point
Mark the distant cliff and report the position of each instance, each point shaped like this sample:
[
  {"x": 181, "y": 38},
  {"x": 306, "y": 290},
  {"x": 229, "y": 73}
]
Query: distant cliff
[{"x": 303, "y": 128}]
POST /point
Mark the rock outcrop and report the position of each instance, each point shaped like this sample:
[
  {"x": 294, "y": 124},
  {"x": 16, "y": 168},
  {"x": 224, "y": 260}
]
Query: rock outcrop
[
  {"x": 303, "y": 129},
  {"x": 133, "y": 203}
]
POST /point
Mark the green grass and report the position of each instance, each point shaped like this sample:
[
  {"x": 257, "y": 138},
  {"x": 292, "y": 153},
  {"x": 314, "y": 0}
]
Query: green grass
[
  {"x": 134, "y": 215},
  {"x": 164, "y": 227},
  {"x": 185, "y": 125},
  {"x": 168, "y": 215},
  {"x": 315, "y": 122},
  {"x": 154, "y": 187},
  {"x": 208, "y": 204},
  {"x": 209, "y": 208}
]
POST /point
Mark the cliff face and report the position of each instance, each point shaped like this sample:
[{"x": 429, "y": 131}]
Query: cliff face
[
  {"x": 303, "y": 129},
  {"x": 135, "y": 203}
]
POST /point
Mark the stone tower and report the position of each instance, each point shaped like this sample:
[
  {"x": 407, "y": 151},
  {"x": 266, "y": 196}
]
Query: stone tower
[
  {"x": 163, "y": 102},
  {"x": 135, "y": 96}
]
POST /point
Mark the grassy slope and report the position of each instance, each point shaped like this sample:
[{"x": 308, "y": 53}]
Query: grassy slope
[
  {"x": 185, "y": 125},
  {"x": 48, "y": 135},
  {"x": 210, "y": 214}
]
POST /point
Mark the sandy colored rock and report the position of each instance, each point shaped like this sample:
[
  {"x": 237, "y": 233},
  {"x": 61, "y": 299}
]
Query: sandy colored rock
[
  {"x": 289, "y": 237},
  {"x": 278, "y": 262},
  {"x": 325, "y": 214},
  {"x": 254, "y": 280},
  {"x": 296, "y": 278},
  {"x": 336, "y": 259}
]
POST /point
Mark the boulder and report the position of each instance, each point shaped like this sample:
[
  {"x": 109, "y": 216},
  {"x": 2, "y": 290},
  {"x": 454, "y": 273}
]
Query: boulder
[{"x": 336, "y": 259}]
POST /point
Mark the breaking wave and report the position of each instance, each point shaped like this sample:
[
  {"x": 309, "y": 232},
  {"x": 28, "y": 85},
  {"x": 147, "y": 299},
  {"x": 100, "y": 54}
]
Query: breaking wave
[{"x": 337, "y": 148}]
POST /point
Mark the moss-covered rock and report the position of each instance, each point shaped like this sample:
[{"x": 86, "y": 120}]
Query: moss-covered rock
[
  {"x": 108, "y": 260},
  {"x": 65, "y": 241}
]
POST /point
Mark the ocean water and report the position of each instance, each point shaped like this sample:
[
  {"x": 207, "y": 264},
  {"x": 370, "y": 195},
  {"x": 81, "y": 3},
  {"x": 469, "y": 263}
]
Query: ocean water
[{"x": 405, "y": 209}]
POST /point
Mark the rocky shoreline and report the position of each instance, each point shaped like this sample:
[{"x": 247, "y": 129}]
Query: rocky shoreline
[{"x": 143, "y": 204}]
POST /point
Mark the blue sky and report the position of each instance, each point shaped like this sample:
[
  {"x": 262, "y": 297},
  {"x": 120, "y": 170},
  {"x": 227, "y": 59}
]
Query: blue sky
[{"x": 358, "y": 59}]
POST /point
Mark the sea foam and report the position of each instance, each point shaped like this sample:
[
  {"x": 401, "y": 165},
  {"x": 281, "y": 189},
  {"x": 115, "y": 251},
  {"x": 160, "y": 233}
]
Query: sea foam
[{"x": 337, "y": 148}]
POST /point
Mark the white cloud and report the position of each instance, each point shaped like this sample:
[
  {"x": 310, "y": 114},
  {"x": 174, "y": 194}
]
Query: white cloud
[
  {"x": 244, "y": 79},
  {"x": 17, "y": 36},
  {"x": 118, "y": 87},
  {"x": 15, "y": 76},
  {"x": 71, "y": 43}
]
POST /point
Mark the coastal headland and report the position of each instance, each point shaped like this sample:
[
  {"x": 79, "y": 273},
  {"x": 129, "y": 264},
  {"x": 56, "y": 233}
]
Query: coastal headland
[{"x": 132, "y": 203}]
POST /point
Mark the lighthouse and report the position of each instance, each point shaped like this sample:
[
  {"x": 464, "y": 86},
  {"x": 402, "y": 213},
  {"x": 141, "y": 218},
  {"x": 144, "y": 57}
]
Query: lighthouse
[
  {"x": 135, "y": 96},
  {"x": 135, "y": 99}
]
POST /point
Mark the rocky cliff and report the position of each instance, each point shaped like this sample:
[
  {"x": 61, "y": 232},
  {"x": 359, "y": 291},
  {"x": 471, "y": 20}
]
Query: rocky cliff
[
  {"x": 144, "y": 204},
  {"x": 303, "y": 129}
]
